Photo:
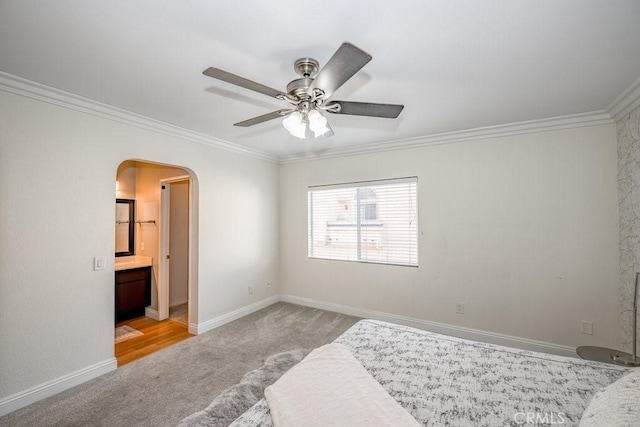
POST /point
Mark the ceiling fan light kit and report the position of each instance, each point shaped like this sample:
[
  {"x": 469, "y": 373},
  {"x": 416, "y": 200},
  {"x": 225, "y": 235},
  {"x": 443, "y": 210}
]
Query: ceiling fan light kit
[
  {"x": 309, "y": 95},
  {"x": 318, "y": 124},
  {"x": 297, "y": 122},
  {"x": 295, "y": 125}
]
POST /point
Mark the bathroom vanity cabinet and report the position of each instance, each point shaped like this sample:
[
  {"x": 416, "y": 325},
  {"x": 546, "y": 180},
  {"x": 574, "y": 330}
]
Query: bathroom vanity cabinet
[{"x": 133, "y": 292}]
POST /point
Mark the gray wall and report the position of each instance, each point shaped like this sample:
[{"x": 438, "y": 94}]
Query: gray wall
[
  {"x": 522, "y": 229},
  {"x": 629, "y": 207},
  {"x": 57, "y": 193}
]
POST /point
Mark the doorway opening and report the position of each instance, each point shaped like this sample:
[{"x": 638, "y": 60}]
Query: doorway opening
[
  {"x": 173, "y": 300},
  {"x": 165, "y": 244}
]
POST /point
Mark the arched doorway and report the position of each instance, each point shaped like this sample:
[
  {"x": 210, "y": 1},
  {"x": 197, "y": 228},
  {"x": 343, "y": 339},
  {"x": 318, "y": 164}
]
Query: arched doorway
[{"x": 158, "y": 217}]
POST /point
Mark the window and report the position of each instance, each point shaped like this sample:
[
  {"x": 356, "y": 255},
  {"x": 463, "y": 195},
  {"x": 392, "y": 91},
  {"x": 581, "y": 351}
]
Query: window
[{"x": 374, "y": 221}]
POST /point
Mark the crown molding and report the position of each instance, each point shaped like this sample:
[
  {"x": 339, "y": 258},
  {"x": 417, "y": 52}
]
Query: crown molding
[
  {"x": 627, "y": 101},
  {"x": 622, "y": 105},
  {"x": 30, "y": 89},
  {"x": 532, "y": 126}
]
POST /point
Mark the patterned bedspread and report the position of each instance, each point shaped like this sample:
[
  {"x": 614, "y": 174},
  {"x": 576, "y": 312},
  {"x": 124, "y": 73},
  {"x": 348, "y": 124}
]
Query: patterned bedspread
[{"x": 447, "y": 381}]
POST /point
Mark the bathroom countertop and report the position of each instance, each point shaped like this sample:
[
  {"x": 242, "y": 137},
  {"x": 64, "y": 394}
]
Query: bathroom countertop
[{"x": 133, "y": 261}]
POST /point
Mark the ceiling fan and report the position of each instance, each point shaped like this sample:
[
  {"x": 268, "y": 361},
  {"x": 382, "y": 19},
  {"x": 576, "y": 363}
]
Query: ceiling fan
[{"x": 309, "y": 95}]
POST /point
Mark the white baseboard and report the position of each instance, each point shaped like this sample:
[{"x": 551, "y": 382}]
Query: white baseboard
[
  {"x": 193, "y": 328},
  {"x": 48, "y": 389},
  {"x": 441, "y": 328},
  {"x": 155, "y": 315},
  {"x": 151, "y": 313},
  {"x": 178, "y": 303},
  {"x": 208, "y": 325},
  {"x": 42, "y": 391}
]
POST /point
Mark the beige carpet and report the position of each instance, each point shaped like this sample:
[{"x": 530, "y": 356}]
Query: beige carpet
[
  {"x": 179, "y": 313},
  {"x": 163, "y": 388}
]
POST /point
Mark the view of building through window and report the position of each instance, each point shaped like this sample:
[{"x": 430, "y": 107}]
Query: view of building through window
[{"x": 368, "y": 221}]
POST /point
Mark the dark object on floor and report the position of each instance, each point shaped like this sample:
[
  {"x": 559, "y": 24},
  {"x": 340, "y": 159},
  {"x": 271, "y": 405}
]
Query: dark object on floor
[{"x": 232, "y": 402}]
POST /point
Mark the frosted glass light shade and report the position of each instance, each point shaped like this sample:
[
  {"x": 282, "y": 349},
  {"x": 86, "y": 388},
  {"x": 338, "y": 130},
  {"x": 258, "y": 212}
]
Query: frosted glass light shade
[
  {"x": 318, "y": 123},
  {"x": 295, "y": 125}
]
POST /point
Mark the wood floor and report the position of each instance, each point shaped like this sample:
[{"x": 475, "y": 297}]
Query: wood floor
[{"x": 158, "y": 335}]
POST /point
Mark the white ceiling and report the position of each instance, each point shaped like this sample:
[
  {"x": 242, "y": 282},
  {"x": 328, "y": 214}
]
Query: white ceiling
[{"x": 454, "y": 64}]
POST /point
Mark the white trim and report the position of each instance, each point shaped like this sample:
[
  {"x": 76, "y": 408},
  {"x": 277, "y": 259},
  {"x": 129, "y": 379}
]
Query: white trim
[
  {"x": 372, "y": 183},
  {"x": 192, "y": 328},
  {"x": 42, "y": 391},
  {"x": 441, "y": 328},
  {"x": 216, "y": 322},
  {"x": 163, "y": 265},
  {"x": 30, "y": 89},
  {"x": 49, "y": 388},
  {"x": 152, "y": 313},
  {"x": 627, "y": 101},
  {"x": 17, "y": 85},
  {"x": 593, "y": 118}
]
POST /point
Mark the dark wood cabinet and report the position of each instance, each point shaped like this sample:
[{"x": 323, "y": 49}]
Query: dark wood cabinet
[{"x": 133, "y": 292}]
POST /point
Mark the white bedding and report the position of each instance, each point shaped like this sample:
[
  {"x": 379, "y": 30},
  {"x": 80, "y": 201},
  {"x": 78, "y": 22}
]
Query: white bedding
[
  {"x": 330, "y": 388},
  {"x": 447, "y": 381}
]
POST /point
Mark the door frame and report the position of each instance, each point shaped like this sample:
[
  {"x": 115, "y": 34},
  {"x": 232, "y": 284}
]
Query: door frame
[{"x": 163, "y": 262}]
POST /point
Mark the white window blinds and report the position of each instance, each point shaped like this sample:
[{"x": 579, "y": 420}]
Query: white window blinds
[{"x": 375, "y": 221}]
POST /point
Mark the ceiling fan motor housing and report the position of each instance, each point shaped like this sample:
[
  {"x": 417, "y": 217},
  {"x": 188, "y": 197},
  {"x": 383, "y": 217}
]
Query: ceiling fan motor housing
[
  {"x": 298, "y": 88},
  {"x": 306, "y": 67}
]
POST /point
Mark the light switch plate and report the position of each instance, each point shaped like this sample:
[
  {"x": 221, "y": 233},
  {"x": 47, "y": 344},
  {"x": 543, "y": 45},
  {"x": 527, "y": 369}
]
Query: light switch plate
[{"x": 99, "y": 263}]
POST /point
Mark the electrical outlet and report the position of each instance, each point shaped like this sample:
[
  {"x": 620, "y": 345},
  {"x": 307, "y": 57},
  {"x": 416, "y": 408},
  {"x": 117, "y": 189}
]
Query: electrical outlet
[
  {"x": 250, "y": 290},
  {"x": 460, "y": 308},
  {"x": 587, "y": 327}
]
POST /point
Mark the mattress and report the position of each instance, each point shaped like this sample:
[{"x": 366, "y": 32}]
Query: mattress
[{"x": 447, "y": 381}]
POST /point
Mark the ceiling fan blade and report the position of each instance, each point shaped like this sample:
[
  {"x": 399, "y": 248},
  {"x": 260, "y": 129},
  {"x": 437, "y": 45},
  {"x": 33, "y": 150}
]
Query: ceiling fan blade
[
  {"x": 225, "y": 76},
  {"x": 344, "y": 63},
  {"x": 263, "y": 118},
  {"x": 388, "y": 111}
]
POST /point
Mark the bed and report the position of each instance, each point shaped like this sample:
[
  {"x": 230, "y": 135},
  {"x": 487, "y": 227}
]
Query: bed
[{"x": 442, "y": 380}]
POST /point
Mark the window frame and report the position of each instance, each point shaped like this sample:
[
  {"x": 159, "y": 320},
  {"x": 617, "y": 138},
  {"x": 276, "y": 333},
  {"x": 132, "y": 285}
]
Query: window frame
[{"x": 360, "y": 221}]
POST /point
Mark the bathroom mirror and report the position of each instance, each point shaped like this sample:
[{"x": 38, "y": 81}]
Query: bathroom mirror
[{"x": 125, "y": 221}]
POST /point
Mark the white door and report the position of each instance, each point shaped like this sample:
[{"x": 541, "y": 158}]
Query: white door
[
  {"x": 174, "y": 256},
  {"x": 179, "y": 243}
]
